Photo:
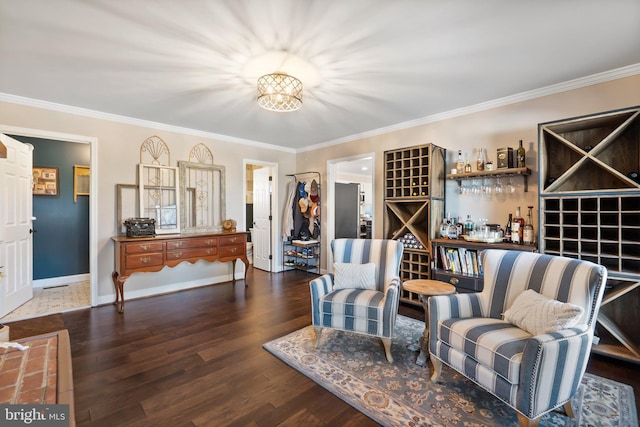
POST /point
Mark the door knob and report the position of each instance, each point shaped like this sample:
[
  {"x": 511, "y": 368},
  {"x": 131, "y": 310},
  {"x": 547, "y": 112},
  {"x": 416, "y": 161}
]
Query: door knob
[{"x": 31, "y": 230}]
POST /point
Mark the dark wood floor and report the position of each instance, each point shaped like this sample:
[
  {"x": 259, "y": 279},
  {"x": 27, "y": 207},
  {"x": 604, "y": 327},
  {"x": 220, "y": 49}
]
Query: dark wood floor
[{"x": 196, "y": 358}]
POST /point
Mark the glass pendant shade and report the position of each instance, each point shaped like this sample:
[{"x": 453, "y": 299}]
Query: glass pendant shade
[{"x": 279, "y": 92}]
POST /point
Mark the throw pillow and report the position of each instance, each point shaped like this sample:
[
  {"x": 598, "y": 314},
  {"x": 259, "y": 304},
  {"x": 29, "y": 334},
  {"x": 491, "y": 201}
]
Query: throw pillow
[
  {"x": 350, "y": 276},
  {"x": 538, "y": 314}
]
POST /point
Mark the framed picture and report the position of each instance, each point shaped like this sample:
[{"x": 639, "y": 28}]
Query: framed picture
[
  {"x": 45, "y": 181},
  {"x": 81, "y": 181}
]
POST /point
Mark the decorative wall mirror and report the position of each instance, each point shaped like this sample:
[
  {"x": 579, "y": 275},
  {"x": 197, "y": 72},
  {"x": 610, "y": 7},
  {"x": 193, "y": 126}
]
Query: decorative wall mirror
[{"x": 202, "y": 191}]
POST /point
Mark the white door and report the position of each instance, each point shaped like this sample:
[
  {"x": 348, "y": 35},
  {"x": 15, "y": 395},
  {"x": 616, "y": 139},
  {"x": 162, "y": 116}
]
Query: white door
[
  {"x": 15, "y": 224},
  {"x": 261, "y": 218}
]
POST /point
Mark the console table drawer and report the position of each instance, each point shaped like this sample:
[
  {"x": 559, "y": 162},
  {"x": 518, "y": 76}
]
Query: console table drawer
[
  {"x": 144, "y": 260},
  {"x": 191, "y": 253},
  {"x": 143, "y": 247},
  {"x": 233, "y": 240},
  {"x": 191, "y": 243},
  {"x": 230, "y": 251}
]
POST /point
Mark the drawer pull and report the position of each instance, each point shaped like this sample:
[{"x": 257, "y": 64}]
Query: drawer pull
[
  {"x": 145, "y": 259},
  {"x": 144, "y": 247},
  {"x": 233, "y": 250},
  {"x": 178, "y": 254},
  {"x": 208, "y": 251},
  {"x": 177, "y": 244},
  {"x": 233, "y": 239},
  {"x": 454, "y": 280},
  {"x": 208, "y": 242}
]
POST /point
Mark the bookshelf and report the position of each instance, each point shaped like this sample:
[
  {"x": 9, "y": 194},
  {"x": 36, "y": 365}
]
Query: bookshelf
[{"x": 457, "y": 262}]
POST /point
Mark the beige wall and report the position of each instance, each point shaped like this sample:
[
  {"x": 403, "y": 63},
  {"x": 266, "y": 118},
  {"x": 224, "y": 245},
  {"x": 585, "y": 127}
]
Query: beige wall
[
  {"x": 491, "y": 129},
  {"x": 118, "y": 154}
]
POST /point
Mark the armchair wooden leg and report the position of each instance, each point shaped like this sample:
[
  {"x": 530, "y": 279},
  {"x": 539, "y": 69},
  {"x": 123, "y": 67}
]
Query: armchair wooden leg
[
  {"x": 569, "y": 410},
  {"x": 526, "y": 422},
  {"x": 318, "y": 330},
  {"x": 437, "y": 369},
  {"x": 386, "y": 342}
]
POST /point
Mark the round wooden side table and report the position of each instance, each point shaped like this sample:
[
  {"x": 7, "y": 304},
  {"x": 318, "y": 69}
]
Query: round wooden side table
[{"x": 425, "y": 289}]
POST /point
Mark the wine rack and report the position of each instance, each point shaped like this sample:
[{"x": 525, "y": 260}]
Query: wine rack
[
  {"x": 414, "y": 203},
  {"x": 590, "y": 209}
]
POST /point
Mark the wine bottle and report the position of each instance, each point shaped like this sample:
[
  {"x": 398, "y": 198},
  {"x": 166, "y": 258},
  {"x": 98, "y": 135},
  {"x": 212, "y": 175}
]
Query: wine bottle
[
  {"x": 517, "y": 228},
  {"x": 460, "y": 162},
  {"x": 507, "y": 229},
  {"x": 528, "y": 235},
  {"x": 521, "y": 156}
]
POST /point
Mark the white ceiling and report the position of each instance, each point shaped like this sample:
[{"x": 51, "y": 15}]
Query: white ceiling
[{"x": 366, "y": 64}]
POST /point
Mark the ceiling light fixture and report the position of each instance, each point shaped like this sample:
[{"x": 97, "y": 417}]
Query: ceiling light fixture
[{"x": 279, "y": 92}]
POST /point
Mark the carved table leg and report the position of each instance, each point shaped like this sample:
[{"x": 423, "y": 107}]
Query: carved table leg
[
  {"x": 119, "y": 287},
  {"x": 245, "y": 261}
]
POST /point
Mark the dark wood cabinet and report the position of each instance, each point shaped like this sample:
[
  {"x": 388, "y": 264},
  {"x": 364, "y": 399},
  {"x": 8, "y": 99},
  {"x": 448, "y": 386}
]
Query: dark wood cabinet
[{"x": 457, "y": 262}]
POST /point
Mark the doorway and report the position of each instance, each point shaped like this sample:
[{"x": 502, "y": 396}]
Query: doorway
[
  {"x": 51, "y": 285},
  {"x": 260, "y": 198},
  {"x": 355, "y": 170}
]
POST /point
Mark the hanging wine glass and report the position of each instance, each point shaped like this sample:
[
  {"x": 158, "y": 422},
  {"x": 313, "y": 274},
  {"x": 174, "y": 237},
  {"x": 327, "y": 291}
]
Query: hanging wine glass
[
  {"x": 511, "y": 188},
  {"x": 498, "y": 189},
  {"x": 475, "y": 187},
  {"x": 487, "y": 187}
]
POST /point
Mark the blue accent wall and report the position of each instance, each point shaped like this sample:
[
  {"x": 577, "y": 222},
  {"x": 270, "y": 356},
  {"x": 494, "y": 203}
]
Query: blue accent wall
[{"x": 61, "y": 242}]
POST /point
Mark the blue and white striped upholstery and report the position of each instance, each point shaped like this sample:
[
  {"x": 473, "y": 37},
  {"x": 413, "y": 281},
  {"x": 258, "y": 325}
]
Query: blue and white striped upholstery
[
  {"x": 533, "y": 374},
  {"x": 371, "y": 312}
]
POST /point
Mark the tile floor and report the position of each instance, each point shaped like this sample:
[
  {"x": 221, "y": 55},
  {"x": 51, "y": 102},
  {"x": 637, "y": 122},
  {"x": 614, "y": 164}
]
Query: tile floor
[{"x": 52, "y": 300}]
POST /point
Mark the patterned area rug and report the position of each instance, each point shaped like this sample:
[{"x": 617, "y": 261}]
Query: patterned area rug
[{"x": 353, "y": 367}]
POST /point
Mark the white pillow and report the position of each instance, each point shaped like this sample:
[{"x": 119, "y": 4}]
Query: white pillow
[
  {"x": 538, "y": 314},
  {"x": 354, "y": 276}
]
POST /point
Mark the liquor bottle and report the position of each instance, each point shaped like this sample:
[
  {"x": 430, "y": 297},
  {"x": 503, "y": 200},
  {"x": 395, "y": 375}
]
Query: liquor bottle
[
  {"x": 507, "y": 229},
  {"x": 460, "y": 162},
  {"x": 517, "y": 228},
  {"x": 468, "y": 226},
  {"x": 521, "y": 156},
  {"x": 467, "y": 167},
  {"x": 459, "y": 227},
  {"x": 480, "y": 160},
  {"x": 444, "y": 228},
  {"x": 528, "y": 235}
]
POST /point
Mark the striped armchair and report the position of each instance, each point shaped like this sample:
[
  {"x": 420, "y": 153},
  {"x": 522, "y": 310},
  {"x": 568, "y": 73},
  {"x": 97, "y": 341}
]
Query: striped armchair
[
  {"x": 369, "y": 312},
  {"x": 532, "y": 374}
]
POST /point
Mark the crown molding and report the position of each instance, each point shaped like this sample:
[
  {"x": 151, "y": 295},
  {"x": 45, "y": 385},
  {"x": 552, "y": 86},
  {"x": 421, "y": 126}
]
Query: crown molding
[
  {"x": 606, "y": 76},
  {"x": 62, "y": 108},
  {"x": 578, "y": 83}
]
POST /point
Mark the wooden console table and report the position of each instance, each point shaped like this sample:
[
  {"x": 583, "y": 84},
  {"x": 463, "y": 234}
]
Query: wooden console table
[{"x": 149, "y": 254}]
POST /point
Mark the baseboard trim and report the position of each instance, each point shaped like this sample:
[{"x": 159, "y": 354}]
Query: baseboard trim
[{"x": 167, "y": 289}]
